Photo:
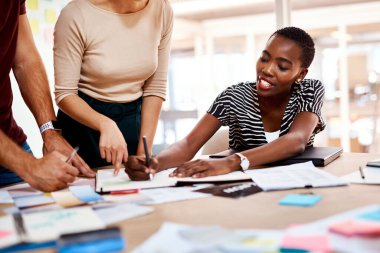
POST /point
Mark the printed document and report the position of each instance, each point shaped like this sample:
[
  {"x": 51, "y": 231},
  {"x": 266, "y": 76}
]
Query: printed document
[{"x": 298, "y": 175}]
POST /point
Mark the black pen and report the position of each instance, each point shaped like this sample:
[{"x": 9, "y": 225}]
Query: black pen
[
  {"x": 147, "y": 156},
  {"x": 72, "y": 154},
  {"x": 361, "y": 172}
]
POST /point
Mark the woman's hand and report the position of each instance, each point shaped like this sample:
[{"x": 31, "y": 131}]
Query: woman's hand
[
  {"x": 205, "y": 168},
  {"x": 112, "y": 145},
  {"x": 137, "y": 170}
]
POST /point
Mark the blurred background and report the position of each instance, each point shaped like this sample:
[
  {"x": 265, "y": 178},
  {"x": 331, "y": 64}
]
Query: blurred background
[{"x": 216, "y": 44}]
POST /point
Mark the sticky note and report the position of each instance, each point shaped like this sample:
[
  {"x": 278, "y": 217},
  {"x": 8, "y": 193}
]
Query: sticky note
[
  {"x": 354, "y": 227},
  {"x": 34, "y": 25},
  {"x": 50, "y": 16},
  {"x": 66, "y": 199},
  {"x": 300, "y": 200},
  {"x": 306, "y": 243},
  {"x": 85, "y": 193},
  {"x": 32, "y": 4},
  {"x": 375, "y": 216}
]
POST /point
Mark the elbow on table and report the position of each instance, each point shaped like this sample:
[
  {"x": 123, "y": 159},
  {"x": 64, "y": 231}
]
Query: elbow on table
[{"x": 298, "y": 145}]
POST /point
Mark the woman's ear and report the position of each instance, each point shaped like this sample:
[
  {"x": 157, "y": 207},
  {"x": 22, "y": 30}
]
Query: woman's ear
[{"x": 301, "y": 75}]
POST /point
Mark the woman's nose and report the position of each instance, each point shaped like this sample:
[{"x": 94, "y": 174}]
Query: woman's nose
[{"x": 268, "y": 69}]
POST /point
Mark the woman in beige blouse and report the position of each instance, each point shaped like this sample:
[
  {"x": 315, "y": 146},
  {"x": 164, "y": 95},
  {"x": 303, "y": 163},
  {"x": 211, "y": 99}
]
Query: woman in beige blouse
[{"x": 111, "y": 61}]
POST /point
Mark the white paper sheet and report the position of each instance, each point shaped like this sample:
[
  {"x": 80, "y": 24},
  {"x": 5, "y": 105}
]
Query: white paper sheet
[
  {"x": 121, "y": 212},
  {"x": 371, "y": 176},
  {"x": 107, "y": 182},
  {"x": 179, "y": 238},
  {"x": 8, "y": 233},
  {"x": 171, "y": 194},
  {"x": 47, "y": 226},
  {"x": 298, "y": 175},
  {"x": 5, "y": 198}
]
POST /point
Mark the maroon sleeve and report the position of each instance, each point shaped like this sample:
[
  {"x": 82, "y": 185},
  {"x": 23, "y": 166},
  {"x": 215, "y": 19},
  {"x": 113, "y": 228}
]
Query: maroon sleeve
[{"x": 22, "y": 7}]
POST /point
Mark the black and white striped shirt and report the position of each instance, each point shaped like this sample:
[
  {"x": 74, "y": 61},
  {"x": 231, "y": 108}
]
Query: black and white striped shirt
[{"x": 237, "y": 107}]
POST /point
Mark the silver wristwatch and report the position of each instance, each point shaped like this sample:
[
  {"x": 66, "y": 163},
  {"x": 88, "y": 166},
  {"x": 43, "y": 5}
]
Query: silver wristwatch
[{"x": 244, "y": 162}]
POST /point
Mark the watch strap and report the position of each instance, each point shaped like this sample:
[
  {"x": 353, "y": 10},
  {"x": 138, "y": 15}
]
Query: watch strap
[
  {"x": 244, "y": 162},
  {"x": 47, "y": 126}
]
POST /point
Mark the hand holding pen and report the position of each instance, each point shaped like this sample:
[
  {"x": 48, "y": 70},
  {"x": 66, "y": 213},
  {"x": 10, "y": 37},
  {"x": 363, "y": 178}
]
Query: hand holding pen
[
  {"x": 72, "y": 154},
  {"x": 147, "y": 156}
]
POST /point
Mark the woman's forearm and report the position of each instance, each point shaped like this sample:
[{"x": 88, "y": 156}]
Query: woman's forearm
[
  {"x": 80, "y": 111},
  {"x": 150, "y": 113}
]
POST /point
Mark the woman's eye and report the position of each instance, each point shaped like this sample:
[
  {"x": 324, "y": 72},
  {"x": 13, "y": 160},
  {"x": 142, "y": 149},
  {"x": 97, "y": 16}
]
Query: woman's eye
[
  {"x": 282, "y": 68},
  {"x": 263, "y": 59}
]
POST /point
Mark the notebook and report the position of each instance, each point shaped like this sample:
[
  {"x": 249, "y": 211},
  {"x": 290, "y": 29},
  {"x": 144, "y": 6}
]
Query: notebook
[{"x": 320, "y": 156}]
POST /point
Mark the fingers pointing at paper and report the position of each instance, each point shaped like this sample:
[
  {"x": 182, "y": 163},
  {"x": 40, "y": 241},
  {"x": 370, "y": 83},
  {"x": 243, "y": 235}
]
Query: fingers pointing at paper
[
  {"x": 137, "y": 170},
  {"x": 204, "y": 168}
]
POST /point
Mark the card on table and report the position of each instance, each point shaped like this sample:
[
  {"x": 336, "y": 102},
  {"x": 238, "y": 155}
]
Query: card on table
[{"x": 300, "y": 200}]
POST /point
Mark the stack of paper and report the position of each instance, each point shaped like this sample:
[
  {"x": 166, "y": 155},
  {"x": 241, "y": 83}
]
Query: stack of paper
[
  {"x": 298, "y": 175},
  {"x": 106, "y": 181}
]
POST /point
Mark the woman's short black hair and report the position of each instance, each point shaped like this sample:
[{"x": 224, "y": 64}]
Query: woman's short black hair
[{"x": 303, "y": 39}]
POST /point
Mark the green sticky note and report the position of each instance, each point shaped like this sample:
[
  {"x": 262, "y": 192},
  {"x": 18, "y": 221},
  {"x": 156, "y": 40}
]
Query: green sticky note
[{"x": 300, "y": 200}]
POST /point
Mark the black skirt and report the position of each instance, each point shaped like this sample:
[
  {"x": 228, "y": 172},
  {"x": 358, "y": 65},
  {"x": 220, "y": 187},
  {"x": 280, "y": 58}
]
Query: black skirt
[{"x": 127, "y": 116}]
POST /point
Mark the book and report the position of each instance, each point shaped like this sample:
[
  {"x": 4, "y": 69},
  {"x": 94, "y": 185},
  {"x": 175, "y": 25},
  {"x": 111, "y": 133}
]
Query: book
[
  {"x": 106, "y": 182},
  {"x": 300, "y": 175},
  {"x": 320, "y": 156}
]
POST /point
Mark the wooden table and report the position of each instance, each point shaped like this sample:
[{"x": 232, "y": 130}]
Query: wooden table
[{"x": 259, "y": 210}]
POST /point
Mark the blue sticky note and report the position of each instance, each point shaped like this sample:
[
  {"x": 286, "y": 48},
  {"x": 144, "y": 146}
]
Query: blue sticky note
[
  {"x": 85, "y": 193},
  {"x": 300, "y": 200},
  {"x": 375, "y": 216}
]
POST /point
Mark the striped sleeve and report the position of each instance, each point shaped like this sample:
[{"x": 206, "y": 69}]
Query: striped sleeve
[
  {"x": 220, "y": 108},
  {"x": 312, "y": 101}
]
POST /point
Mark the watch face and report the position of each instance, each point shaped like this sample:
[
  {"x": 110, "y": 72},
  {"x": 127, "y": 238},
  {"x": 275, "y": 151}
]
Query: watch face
[{"x": 245, "y": 164}]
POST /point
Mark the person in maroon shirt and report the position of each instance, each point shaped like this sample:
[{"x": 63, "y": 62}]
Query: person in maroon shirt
[{"x": 18, "y": 53}]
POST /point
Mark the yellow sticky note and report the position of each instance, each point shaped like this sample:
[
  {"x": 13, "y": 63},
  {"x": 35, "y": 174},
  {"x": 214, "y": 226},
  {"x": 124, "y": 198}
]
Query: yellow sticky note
[
  {"x": 50, "y": 16},
  {"x": 35, "y": 25},
  {"x": 32, "y": 4}
]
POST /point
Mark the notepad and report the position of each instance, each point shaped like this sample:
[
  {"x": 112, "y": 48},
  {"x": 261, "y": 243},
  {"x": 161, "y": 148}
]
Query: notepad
[
  {"x": 372, "y": 176},
  {"x": 300, "y": 175},
  {"x": 107, "y": 182}
]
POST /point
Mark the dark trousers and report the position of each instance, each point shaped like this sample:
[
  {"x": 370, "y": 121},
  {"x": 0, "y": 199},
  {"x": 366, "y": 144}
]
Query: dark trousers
[
  {"x": 8, "y": 177},
  {"x": 126, "y": 115}
]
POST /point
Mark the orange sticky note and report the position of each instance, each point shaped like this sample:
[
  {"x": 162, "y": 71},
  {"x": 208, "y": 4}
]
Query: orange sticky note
[
  {"x": 314, "y": 243},
  {"x": 66, "y": 199},
  {"x": 355, "y": 227}
]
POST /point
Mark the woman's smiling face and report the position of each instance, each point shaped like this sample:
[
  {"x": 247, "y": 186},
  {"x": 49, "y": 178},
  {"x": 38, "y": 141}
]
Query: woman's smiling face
[{"x": 279, "y": 66}]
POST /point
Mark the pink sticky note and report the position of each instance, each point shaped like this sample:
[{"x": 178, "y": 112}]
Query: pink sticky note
[
  {"x": 354, "y": 227},
  {"x": 314, "y": 243},
  {"x": 5, "y": 233}
]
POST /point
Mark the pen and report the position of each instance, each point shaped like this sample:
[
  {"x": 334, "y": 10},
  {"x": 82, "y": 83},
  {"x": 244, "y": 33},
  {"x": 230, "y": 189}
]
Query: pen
[
  {"x": 72, "y": 154},
  {"x": 361, "y": 172},
  {"x": 147, "y": 157}
]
